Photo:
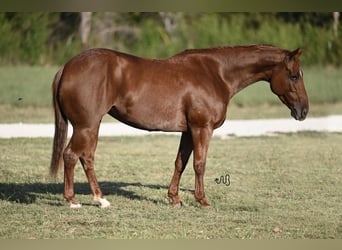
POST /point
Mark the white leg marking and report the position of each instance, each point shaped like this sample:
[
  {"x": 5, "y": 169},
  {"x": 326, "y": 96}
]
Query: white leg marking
[
  {"x": 77, "y": 205},
  {"x": 104, "y": 203}
]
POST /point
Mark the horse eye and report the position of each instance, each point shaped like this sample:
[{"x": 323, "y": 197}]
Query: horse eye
[{"x": 293, "y": 77}]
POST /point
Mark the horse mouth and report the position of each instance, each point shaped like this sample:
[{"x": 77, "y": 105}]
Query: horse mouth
[
  {"x": 299, "y": 111},
  {"x": 299, "y": 115}
]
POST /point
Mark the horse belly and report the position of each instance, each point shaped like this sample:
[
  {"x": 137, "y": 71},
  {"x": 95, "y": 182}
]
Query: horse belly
[{"x": 149, "y": 117}]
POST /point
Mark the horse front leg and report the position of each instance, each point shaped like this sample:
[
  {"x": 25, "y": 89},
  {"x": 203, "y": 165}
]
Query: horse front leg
[
  {"x": 201, "y": 140},
  {"x": 184, "y": 152}
]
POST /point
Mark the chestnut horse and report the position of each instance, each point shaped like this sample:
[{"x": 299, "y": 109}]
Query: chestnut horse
[{"x": 188, "y": 93}]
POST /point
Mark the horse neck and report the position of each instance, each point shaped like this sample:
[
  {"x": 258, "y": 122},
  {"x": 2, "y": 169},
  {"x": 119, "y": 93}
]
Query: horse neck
[{"x": 247, "y": 65}]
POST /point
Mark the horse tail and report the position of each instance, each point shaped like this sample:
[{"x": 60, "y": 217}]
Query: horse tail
[{"x": 61, "y": 128}]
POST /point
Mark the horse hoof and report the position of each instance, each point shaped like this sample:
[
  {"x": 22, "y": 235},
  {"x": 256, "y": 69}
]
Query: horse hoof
[
  {"x": 104, "y": 203},
  {"x": 204, "y": 202},
  {"x": 75, "y": 205},
  {"x": 178, "y": 205},
  {"x": 205, "y": 206}
]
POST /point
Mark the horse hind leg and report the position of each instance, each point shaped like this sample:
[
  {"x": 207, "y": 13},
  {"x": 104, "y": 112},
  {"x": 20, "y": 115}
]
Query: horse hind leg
[
  {"x": 90, "y": 138},
  {"x": 87, "y": 160},
  {"x": 82, "y": 146},
  {"x": 70, "y": 160}
]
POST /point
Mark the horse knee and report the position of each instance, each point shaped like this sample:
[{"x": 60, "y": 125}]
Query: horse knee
[{"x": 199, "y": 167}]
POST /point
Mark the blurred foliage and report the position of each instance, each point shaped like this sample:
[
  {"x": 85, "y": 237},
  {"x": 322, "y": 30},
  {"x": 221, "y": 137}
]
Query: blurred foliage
[
  {"x": 53, "y": 38},
  {"x": 23, "y": 36}
]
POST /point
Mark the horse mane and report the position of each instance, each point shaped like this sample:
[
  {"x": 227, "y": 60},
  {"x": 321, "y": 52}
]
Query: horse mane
[{"x": 261, "y": 47}]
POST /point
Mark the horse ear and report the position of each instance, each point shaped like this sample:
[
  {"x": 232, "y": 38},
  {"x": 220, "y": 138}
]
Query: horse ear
[
  {"x": 295, "y": 54},
  {"x": 291, "y": 56}
]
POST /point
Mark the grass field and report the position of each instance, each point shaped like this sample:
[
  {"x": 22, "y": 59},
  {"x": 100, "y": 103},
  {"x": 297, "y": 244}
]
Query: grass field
[
  {"x": 288, "y": 186},
  {"x": 25, "y": 95}
]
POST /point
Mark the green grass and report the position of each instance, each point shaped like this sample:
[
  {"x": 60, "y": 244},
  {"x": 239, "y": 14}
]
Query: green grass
[
  {"x": 25, "y": 86},
  {"x": 25, "y": 95},
  {"x": 288, "y": 186}
]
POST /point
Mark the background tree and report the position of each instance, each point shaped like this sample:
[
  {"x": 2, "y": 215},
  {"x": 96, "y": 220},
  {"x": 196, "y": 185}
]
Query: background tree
[
  {"x": 336, "y": 16},
  {"x": 85, "y": 27},
  {"x": 53, "y": 38}
]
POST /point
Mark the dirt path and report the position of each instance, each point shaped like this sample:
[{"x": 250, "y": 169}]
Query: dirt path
[{"x": 230, "y": 127}]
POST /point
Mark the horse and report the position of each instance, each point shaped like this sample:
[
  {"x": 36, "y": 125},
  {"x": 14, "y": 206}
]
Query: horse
[{"x": 187, "y": 93}]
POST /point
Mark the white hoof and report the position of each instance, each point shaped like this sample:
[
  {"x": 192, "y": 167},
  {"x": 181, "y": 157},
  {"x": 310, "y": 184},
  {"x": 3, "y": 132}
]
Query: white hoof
[
  {"x": 104, "y": 203},
  {"x": 77, "y": 205}
]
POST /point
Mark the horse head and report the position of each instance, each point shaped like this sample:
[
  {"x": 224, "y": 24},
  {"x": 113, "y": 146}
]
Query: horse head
[{"x": 288, "y": 84}]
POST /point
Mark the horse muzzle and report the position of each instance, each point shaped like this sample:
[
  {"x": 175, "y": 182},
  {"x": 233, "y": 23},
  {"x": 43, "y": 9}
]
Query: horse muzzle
[{"x": 299, "y": 113}]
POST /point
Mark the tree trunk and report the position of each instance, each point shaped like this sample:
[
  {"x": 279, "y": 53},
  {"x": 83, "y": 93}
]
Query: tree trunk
[
  {"x": 85, "y": 27},
  {"x": 336, "y": 16}
]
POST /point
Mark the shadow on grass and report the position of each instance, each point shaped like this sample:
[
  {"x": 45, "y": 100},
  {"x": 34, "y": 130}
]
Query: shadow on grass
[{"x": 28, "y": 193}]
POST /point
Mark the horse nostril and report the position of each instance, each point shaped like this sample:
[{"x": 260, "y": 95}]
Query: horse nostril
[{"x": 304, "y": 112}]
